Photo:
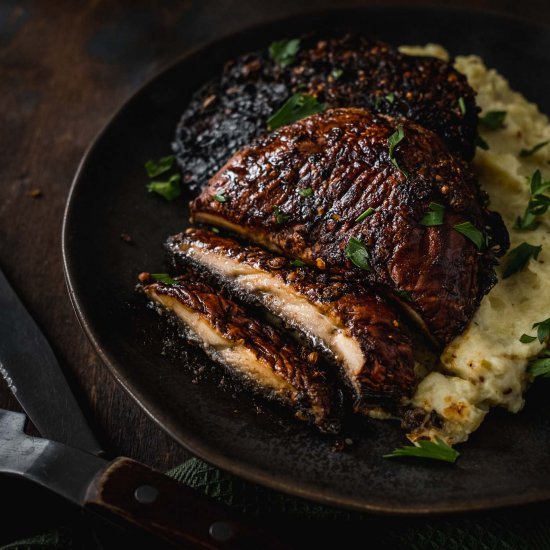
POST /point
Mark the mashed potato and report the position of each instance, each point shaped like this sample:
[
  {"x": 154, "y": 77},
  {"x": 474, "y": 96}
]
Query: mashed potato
[{"x": 486, "y": 365}]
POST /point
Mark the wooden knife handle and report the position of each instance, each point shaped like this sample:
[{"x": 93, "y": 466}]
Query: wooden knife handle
[{"x": 170, "y": 510}]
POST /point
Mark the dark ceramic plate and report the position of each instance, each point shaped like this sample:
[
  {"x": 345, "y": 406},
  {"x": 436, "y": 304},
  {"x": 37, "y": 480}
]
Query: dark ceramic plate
[{"x": 506, "y": 462}]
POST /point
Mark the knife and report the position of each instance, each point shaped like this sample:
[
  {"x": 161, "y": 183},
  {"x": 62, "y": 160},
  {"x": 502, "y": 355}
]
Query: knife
[
  {"x": 127, "y": 490},
  {"x": 33, "y": 374},
  {"x": 70, "y": 466}
]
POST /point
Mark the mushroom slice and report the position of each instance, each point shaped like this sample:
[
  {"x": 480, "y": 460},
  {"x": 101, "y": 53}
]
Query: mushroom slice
[{"x": 252, "y": 350}]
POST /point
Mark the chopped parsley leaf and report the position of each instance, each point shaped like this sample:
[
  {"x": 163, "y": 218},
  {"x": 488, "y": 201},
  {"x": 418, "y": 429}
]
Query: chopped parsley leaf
[
  {"x": 390, "y": 97},
  {"x": 336, "y": 73},
  {"x": 435, "y": 216},
  {"x": 155, "y": 169},
  {"x": 284, "y": 52},
  {"x": 493, "y": 120},
  {"x": 163, "y": 278},
  {"x": 393, "y": 141},
  {"x": 220, "y": 196},
  {"x": 481, "y": 143},
  {"x": 534, "y": 149},
  {"x": 364, "y": 215},
  {"x": 540, "y": 365},
  {"x": 280, "y": 216},
  {"x": 307, "y": 192},
  {"x": 357, "y": 252},
  {"x": 169, "y": 189},
  {"x": 214, "y": 230},
  {"x": 423, "y": 448},
  {"x": 527, "y": 223},
  {"x": 526, "y": 339},
  {"x": 539, "y": 202},
  {"x": 297, "y": 263},
  {"x": 518, "y": 258},
  {"x": 462, "y": 105},
  {"x": 295, "y": 108},
  {"x": 470, "y": 231},
  {"x": 537, "y": 185},
  {"x": 543, "y": 329},
  {"x": 537, "y": 206}
]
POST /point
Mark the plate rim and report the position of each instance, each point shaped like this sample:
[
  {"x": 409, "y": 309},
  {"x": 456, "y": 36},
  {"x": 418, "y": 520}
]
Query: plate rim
[{"x": 207, "y": 452}]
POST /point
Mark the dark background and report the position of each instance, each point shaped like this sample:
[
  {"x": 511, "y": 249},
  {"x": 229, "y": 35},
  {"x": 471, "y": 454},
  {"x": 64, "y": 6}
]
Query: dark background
[{"x": 65, "y": 68}]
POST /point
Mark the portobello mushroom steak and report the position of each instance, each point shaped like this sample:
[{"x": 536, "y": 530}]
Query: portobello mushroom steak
[
  {"x": 345, "y": 70},
  {"x": 360, "y": 332},
  {"x": 344, "y": 159},
  {"x": 253, "y": 351},
  {"x": 357, "y": 214}
]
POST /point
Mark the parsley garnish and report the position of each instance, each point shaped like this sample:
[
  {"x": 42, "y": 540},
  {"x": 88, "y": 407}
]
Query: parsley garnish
[
  {"x": 435, "y": 217},
  {"x": 284, "y": 52},
  {"x": 169, "y": 189},
  {"x": 390, "y": 97},
  {"x": 481, "y": 143},
  {"x": 470, "y": 231},
  {"x": 357, "y": 252},
  {"x": 534, "y": 149},
  {"x": 540, "y": 365},
  {"x": 436, "y": 450},
  {"x": 298, "y": 263},
  {"x": 493, "y": 120},
  {"x": 155, "y": 169},
  {"x": 214, "y": 230},
  {"x": 393, "y": 142},
  {"x": 295, "y": 108},
  {"x": 527, "y": 223},
  {"x": 364, "y": 215},
  {"x": 220, "y": 196},
  {"x": 307, "y": 192},
  {"x": 538, "y": 204},
  {"x": 538, "y": 187},
  {"x": 163, "y": 278},
  {"x": 280, "y": 216},
  {"x": 526, "y": 339},
  {"x": 336, "y": 73},
  {"x": 543, "y": 330},
  {"x": 462, "y": 105},
  {"x": 518, "y": 258}
]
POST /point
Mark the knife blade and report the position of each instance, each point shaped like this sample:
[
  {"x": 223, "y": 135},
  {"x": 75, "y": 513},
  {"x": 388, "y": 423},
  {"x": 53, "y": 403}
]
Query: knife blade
[
  {"x": 127, "y": 490},
  {"x": 33, "y": 374}
]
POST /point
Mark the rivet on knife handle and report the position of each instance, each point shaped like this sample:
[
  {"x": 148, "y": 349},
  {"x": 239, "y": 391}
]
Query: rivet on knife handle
[{"x": 166, "y": 508}]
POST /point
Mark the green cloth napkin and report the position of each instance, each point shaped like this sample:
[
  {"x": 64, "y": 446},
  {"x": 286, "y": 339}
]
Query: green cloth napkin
[{"x": 520, "y": 528}]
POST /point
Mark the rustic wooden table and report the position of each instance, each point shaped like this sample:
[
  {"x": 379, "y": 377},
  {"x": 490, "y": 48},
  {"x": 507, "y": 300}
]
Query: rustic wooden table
[{"x": 65, "y": 67}]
